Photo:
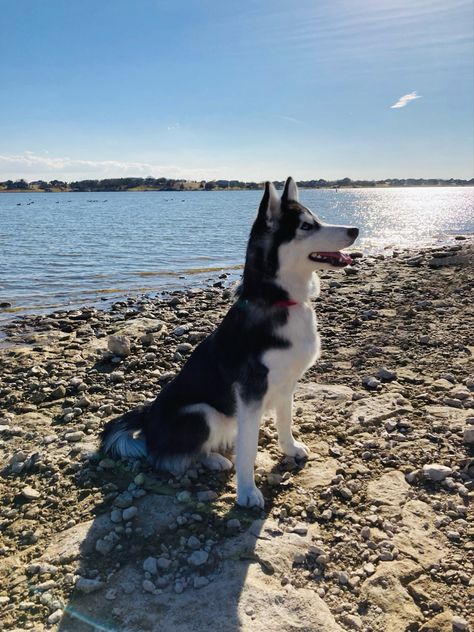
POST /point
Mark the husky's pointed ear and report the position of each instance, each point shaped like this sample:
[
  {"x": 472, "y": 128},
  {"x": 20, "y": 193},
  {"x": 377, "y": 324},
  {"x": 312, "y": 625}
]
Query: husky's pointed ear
[
  {"x": 290, "y": 192},
  {"x": 270, "y": 206}
]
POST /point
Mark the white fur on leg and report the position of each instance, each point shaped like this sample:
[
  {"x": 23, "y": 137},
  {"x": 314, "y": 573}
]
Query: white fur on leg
[
  {"x": 249, "y": 417},
  {"x": 215, "y": 461},
  {"x": 286, "y": 441}
]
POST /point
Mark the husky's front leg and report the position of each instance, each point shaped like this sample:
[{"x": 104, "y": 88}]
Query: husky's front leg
[
  {"x": 288, "y": 444},
  {"x": 249, "y": 416}
]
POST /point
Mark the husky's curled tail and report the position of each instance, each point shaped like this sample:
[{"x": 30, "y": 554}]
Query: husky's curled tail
[{"x": 123, "y": 437}]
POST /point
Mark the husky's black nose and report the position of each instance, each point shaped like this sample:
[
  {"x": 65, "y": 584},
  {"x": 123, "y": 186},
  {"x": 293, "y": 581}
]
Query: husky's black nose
[{"x": 353, "y": 232}]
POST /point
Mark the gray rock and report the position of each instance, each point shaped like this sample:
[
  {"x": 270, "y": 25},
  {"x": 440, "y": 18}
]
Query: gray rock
[
  {"x": 124, "y": 500},
  {"x": 206, "y": 496},
  {"x": 148, "y": 586},
  {"x": 460, "y": 624},
  {"x": 385, "y": 374},
  {"x": 193, "y": 543},
  {"x": 436, "y": 471},
  {"x": 30, "y": 494},
  {"x": 129, "y": 513},
  {"x": 150, "y": 566},
  {"x": 198, "y": 558},
  {"x": 468, "y": 435},
  {"x": 74, "y": 437},
  {"x": 164, "y": 563},
  {"x": 55, "y": 617},
  {"x": 88, "y": 586},
  {"x": 371, "y": 382},
  {"x": 233, "y": 524},
  {"x": 200, "y": 582},
  {"x": 183, "y": 497},
  {"x": 116, "y": 515},
  {"x": 104, "y": 545},
  {"x": 181, "y": 330},
  {"x": 119, "y": 345},
  {"x": 59, "y": 392}
]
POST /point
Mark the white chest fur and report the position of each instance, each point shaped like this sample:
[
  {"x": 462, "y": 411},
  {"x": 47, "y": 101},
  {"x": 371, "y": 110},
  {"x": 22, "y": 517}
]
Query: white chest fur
[{"x": 286, "y": 366}]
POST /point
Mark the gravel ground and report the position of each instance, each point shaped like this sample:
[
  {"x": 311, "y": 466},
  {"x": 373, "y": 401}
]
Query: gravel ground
[{"x": 373, "y": 533}]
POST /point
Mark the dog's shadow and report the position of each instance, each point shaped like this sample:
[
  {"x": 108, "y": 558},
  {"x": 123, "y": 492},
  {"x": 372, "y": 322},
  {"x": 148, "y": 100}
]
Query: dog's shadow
[{"x": 189, "y": 590}]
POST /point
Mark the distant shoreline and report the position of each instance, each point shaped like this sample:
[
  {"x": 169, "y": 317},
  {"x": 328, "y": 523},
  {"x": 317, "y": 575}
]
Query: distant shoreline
[
  {"x": 170, "y": 190},
  {"x": 110, "y": 185}
]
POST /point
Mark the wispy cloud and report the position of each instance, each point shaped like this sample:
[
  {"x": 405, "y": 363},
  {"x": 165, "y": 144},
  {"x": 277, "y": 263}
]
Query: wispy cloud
[
  {"x": 405, "y": 99},
  {"x": 30, "y": 165},
  {"x": 290, "y": 119}
]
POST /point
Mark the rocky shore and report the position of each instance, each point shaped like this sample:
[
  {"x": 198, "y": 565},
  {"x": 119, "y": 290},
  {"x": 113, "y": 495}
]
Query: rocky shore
[{"x": 374, "y": 533}]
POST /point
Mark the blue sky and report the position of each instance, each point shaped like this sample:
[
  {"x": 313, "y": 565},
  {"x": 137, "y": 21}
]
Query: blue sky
[{"x": 253, "y": 90}]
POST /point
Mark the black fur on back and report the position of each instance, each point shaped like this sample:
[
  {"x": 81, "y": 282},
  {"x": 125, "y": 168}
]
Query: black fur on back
[{"x": 231, "y": 356}]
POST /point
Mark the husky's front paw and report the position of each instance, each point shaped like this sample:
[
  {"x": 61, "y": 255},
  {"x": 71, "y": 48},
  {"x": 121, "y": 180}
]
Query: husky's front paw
[
  {"x": 250, "y": 497},
  {"x": 297, "y": 449}
]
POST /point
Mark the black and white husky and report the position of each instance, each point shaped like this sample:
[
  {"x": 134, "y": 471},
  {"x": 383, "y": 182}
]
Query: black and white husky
[{"x": 250, "y": 364}]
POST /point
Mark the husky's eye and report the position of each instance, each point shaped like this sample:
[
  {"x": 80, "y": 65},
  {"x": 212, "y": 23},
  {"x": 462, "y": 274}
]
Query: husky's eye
[{"x": 306, "y": 226}]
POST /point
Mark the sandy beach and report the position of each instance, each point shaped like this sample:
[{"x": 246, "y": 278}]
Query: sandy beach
[{"x": 374, "y": 533}]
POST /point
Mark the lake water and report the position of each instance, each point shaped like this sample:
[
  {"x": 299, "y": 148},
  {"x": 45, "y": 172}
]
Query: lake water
[{"x": 69, "y": 249}]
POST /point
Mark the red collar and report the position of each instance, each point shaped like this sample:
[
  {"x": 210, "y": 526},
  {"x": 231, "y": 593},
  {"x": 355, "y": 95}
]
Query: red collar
[{"x": 284, "y": 303}]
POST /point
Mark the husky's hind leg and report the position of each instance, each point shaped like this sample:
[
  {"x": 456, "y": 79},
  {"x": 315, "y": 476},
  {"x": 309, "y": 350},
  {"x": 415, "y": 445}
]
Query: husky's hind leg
[{"x": 215, "y": 461}]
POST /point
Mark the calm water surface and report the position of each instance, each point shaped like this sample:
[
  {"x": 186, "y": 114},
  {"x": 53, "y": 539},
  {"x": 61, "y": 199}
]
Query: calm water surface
[{"x": 68, "y": 249}]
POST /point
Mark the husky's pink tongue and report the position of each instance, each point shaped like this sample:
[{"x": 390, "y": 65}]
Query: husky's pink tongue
[{"x": 341, "y": 256}]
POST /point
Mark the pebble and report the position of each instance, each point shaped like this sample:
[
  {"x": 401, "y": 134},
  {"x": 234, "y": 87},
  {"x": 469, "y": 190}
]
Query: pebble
[
  {"x": 468, "y": 435},
  {"x": 59, "y": 392},
  {"x": 183, "y": 497},
  {"x": 460, "y": 624},
  {"x": 198, "y": 558},
  {"x": 233, "y": 524},
  {"x": 274, "y": 479},
  {"x": 180, "y": 330},
  {"x": 206, "y": 496},
  {"x": 55, "y": 617},
  {"x": 119, "y": 346},
  {"x": 200, "y": 582},
  {"x": 104, "y": 545},
  {"x": 385, "y": 374},
  {"x": 129, "y": 513},
  {"x": 74, "y": 437},
  {"x": 148, "y": 586},
  {"x": 164, "y": 563},
  {"x": 371, "y": 382},
  {"x": 346, "y": 493},
  {"x": 30, "y": 494},
  {"x": 193, "y": 542},
  {"x": 116, "y": 515},
  {"x": 150, "y": 566},
  {"x": 436, "y": 471},
  {"x": 88, "y": 586},
  {"x": 352, "y": 621},
  {"x": 124, "y": 500}
]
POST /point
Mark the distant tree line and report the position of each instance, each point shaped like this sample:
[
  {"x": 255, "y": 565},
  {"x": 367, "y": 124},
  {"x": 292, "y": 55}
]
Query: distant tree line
[{"x": 167, "y": 184}]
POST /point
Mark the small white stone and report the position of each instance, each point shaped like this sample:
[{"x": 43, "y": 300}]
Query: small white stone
[
  {"x": 30, "y": 494},
  {"x": 55, "y": 617},
  {"x": 436, "y": 471}
]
